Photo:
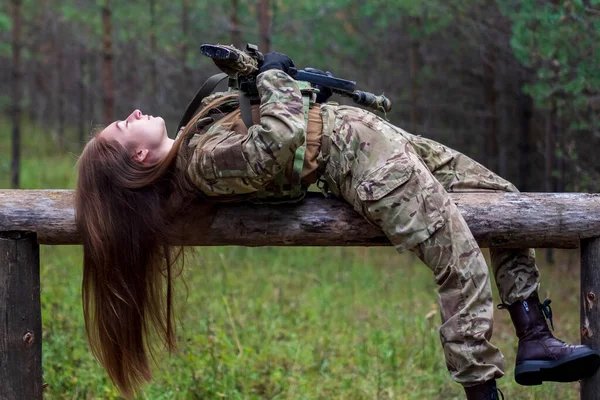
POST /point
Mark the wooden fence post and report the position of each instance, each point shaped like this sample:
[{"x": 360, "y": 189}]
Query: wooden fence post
[
  {"x": 20, "y": 317},
  {"x": 590, "y": 313}
]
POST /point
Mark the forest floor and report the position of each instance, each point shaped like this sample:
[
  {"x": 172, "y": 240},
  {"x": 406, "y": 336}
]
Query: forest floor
[{"x": 279, "y": 323}]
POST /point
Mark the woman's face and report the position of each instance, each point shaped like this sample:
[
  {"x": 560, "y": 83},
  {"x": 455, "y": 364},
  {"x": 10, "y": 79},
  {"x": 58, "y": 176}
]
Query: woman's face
[{"x": 144, "y": 135}]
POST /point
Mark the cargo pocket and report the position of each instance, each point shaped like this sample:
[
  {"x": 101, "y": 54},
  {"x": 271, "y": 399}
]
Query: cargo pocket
[
  {"x": 219, "y": 167},
  {"x": 224, "y": 157},
  {"x": 383, "y": 180},
  {"x": 404, "y": 202}
]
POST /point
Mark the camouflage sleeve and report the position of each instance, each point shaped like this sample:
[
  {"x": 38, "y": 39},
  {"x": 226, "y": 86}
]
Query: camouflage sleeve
[
  {"x": 227, "y": 163},
  {"x": 271, "y": 144}
]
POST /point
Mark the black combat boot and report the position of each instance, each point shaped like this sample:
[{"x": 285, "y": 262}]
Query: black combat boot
[
  {"x": 541, "y": 356},
  {"x": 485, "y": 391}
]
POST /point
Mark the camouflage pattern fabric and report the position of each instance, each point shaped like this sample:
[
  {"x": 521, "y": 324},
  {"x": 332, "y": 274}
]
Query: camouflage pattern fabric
[
  {"x": 226, "y": 163},
  {"x": 244, "y": 65},
  {"x": 398, "y": 182},
  {"x": 515, "y": 271},
  {"x": 375, "y": 167}
]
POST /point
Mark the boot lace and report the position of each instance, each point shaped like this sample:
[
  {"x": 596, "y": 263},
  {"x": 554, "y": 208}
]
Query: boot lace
[
  {"x": 547, "y": 311},
  {"x": 544, "y": 307},
  {"x": 492, "y": 394}
]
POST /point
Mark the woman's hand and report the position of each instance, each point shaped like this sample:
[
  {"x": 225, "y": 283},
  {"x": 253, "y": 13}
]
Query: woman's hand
[{"x": 275, "y": 60}]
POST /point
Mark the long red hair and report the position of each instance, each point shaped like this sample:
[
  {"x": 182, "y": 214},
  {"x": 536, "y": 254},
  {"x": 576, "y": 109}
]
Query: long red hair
[{"x": 124, "y": 212}]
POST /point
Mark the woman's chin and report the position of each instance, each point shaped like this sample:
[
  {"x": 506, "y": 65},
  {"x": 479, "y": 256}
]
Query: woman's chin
[{"x": 159, "y": 121}]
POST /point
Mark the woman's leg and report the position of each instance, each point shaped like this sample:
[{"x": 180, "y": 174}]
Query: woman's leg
[
  {"x": 464, "y": 299},
  {"x": 540, "y": 356},
  {"x": 377, "y": 171},
  {"x": 515, "y": 271}
]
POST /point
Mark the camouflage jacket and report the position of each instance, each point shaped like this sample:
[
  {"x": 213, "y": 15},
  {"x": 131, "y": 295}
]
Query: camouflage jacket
[
  {"x": 225, "y": 163},
  {"x": 228, "y": 164}
]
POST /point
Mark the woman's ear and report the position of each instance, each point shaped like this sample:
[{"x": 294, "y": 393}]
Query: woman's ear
[{"x": 140, "y": 155}]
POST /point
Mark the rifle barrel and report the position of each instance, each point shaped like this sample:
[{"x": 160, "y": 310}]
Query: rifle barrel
[{"x": 323, "y": 80}]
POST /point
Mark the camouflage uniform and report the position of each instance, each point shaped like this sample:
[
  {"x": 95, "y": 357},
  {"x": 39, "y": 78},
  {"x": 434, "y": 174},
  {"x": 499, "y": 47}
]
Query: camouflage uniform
[
  {"x": 228, "y": 164},
  {"x": 400, "y": 183}
]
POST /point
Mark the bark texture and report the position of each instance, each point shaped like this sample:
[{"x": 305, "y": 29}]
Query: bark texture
[
  {"x": 107, "y": 55},
  {"x": 590, "y": 315},
  {"x": 264, "y": 23},
  {"x": 15, "y": 165},
  {"x": 556, "y": 220},
  {"x": 20, "y": 313}
]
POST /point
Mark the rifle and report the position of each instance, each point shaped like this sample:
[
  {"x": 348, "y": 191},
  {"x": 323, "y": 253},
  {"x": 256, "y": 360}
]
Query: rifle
[{"x": 243, "y": 65}]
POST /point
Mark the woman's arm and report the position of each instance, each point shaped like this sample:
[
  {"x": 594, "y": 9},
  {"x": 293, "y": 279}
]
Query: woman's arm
[
  {"x": 228, "y": 163},
  {"x": 271, "y": 144}
]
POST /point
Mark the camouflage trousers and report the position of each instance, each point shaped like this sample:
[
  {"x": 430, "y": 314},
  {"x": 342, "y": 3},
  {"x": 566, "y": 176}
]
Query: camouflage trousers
[{"x": 400, "y": 182}]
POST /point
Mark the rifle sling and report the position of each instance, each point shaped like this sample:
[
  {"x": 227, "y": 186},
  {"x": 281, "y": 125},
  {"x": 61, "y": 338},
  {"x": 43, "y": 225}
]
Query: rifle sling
[
  {"x": 246, "y": 109},
  {"x": 206, "y": 89}
]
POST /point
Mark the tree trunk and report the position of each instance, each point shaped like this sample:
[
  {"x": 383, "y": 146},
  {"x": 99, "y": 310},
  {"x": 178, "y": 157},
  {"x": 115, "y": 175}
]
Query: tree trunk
[
  {"x": 186, "y": 72},
  {"x": 504, "y": 127},
  {"x": 16, "y": 95},
  {"x": 503, "y": 113},
  {"x": 561, "y": 166},
  {"x": 491, "y": 99},
  {"x": 46, "y": 109},
  {"x": 60, "y": 97},
  {"x": 132, "y": 76},
  {"x": 264, "y": 24},
  {"x": 35, "y": 67},
  {"x": 549, "y": 148},
  {"x": 81, "y": 116},
  {"x": 107, "y": 53},
  {"x": 525, "y": 117},
  {"x": 236, "y": 34},
  {"x": 549, "y": 162},
  {"x": 93, "y": 61},
  {"x": 153, "y": 56},
  {"x": 415, "y": 68}
]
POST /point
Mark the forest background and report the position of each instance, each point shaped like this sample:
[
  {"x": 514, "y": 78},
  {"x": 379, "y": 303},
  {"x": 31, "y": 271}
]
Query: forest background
[{"x": 513, "y": 84}]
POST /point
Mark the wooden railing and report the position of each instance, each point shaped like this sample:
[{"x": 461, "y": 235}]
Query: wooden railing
[{"x": 29, "y": 218}]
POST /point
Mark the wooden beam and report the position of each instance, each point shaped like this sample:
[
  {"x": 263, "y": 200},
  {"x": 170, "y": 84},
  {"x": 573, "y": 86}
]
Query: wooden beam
[
  {"x": 557, "y": 220},
  {"x": 590, "y": 313},
  {"x": 20, "y": 313}
]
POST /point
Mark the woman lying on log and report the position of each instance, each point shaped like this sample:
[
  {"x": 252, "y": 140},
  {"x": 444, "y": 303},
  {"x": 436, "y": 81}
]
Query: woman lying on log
[{"x": 134, "y": 181}]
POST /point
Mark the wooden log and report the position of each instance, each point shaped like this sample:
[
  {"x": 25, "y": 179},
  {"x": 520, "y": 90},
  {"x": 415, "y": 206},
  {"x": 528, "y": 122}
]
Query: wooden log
[
  {"x": 20, "y": 313},
  {"x": 557, "y": 220},
  {"x": 590, "y": 309}
]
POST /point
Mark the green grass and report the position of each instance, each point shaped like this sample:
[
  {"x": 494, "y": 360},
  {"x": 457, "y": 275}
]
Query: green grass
[{"x": 278, "y": 323}]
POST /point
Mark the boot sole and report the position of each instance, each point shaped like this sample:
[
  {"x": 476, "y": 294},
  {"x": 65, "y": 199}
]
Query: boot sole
[{"x": 569, "y": 369}]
